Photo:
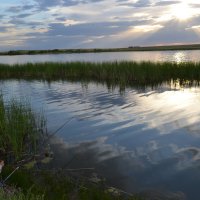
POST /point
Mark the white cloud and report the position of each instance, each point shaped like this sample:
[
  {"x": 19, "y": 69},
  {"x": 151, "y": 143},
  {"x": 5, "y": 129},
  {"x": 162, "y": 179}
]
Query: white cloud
[{"x": 120, "y": 22}]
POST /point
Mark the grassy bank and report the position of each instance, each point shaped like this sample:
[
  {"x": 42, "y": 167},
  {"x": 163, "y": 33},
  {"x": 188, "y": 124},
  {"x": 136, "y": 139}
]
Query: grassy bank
[
  {"x": 19, "y": 196},
  {"x": 48, "y": 185},
  {"x": 20, "y": 135},
  {"x": 97, "y": 50},
  {"x": 111, "y": 73},
  {"x": 20, "y": 129}
]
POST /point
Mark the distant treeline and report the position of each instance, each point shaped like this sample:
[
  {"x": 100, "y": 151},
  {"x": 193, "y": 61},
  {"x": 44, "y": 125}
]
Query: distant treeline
[{"x": 96, "y": 50}]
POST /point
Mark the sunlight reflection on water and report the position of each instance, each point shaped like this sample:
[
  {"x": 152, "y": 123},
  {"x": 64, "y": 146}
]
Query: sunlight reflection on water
[
  {"x": 154, "y": 56},
  {"x": 138, "y": 140},
  {"x": 180, "y": 57}
]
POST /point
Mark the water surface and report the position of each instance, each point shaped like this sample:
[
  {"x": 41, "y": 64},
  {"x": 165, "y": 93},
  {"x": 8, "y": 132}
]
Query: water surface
[
  {"x": 147, "y": 140},
  {"x": 154, "y": 56}
]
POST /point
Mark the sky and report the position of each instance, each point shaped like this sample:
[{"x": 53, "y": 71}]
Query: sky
[{"x": 54, "y": 24}]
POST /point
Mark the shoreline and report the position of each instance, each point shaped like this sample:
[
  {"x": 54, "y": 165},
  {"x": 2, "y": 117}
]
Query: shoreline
[{"x": 103, "y": 50}]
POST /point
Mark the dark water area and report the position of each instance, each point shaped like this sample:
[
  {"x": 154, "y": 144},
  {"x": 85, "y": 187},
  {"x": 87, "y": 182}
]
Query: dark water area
[
  {"x": 145, "y": 140},
  {"x": 153, "y": 56}
]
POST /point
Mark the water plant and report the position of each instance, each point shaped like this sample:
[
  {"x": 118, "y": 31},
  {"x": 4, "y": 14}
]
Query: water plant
[
  {"x": 50, "y": 185},
  {"x": 20, "y": 129},
  {"x": 19, "y": 196},
  {"x": 112, "y": 73}
]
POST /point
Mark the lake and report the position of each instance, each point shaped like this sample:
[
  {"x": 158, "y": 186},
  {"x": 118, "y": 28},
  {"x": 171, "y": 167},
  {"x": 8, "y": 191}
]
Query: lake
[
  {"x": 144, "y": 140},
  {"x": 154, "y": 56}
]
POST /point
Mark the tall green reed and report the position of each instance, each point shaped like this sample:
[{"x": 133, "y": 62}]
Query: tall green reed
[
  {"x": 20, "y": 128},
  {"x": 112, "y": 73}
]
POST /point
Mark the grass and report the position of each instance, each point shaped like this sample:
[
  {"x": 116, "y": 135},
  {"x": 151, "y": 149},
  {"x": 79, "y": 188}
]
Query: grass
[
  {"x": 20, "y": 126},
  {"x": 20, "y": 133},
  {"x": 20, "y": 129},
  {"x": 111, "y": 73},
  {"x": 57, "y": 185},
  {"x": 19, "y": 196}
]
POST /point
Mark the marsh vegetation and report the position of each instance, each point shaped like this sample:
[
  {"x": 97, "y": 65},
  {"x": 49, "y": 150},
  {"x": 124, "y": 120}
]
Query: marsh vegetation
[
  {"x": 111, "y": 73},
  {"x": 20, "y": 129},
  {"x": 21, "y": 133}
]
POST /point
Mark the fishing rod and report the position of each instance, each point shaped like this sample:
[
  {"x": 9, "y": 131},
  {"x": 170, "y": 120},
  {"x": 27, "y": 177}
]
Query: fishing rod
[
  {"x": 2, "y": 183},
  {"x": 60, "y": 127}
]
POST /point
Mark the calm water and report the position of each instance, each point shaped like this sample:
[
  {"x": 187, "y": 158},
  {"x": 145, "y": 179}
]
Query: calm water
[
  {"x": 172, "y": 56},
  {"x": 139, "y": 140}
]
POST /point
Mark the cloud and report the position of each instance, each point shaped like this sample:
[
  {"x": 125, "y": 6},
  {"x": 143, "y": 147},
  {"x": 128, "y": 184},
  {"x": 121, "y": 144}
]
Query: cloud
[
  {"x": 195, "y": 5},
  {"x": 17, "y": 9},
  {"x": 46, "y": 4},
  {"x": 23, "y": 15},
  {"x": 21, "y": 22},
  {"x": 142, "y": 3},
  {"x": 2, "y": 16},
  {"x": 92, "y": 29},
  {"x": 3, "y": 28},
  {"x": 137, "y": 4},
  {"x": 98, "y": 23},
  {"x": 180, "y": 34},
  {"x": 166, "y": 3}
]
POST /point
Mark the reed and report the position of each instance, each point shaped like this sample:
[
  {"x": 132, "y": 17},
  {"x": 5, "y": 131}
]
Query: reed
[
  {"x": 112, "y": 73},
  {"x": 20, "y": 129}
]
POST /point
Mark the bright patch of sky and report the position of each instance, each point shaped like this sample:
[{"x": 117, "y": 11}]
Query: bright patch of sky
[{"x": 51, "y": 24}]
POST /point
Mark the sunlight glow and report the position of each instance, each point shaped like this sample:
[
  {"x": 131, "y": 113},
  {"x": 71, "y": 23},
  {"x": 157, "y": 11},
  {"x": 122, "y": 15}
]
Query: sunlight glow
[
  {"x": 146, "y": 28},
  {"x": 182, "y": 11},
  {"x": 181, "y": 99},
  {"x": 169, "y": 110},
  {"x": 179, "y": 57}
]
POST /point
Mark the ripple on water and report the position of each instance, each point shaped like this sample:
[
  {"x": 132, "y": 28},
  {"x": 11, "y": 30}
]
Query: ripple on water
[{"x": 146, "y": 139}]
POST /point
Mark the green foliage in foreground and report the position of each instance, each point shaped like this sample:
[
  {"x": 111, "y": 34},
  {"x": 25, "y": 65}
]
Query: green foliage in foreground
[
  {"x": 111, "y": 73},
  {"x": 19, "y": 196},
  {"x": 18, "y": 134},
  {"x": 49, "y": 185},
  {"x": 20, "y": 129}
]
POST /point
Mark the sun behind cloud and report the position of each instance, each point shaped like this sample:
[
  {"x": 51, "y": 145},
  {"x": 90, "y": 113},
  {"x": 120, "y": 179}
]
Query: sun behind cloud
[{"x": 182, "y": 11}]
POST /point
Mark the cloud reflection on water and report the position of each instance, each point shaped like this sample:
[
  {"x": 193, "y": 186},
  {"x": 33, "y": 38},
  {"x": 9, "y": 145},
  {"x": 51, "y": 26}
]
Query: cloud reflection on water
[{"x": 139, "y": 140}]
